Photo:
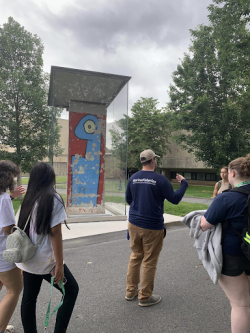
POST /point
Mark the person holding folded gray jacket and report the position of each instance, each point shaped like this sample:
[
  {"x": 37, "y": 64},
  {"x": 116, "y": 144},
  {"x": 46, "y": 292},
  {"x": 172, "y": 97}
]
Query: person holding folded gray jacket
[{"x": 235, "y": 275}]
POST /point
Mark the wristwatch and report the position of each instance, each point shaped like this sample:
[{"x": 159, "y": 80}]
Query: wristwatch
[{"x": 12, "y": 197}]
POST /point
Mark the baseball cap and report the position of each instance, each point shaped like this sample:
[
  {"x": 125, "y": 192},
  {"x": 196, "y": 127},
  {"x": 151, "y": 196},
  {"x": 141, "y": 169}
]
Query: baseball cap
[{"x": 147, "y": 155}]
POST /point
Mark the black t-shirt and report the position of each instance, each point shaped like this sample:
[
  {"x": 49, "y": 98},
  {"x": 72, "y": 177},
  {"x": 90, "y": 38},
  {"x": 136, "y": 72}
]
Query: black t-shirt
[
  {"x": 229, "y": 206},
  {"x": 146, "y": 192}
]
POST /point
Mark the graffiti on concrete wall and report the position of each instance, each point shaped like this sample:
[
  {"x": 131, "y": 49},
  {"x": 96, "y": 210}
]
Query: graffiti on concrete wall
[{"x": 86, "y": 160}]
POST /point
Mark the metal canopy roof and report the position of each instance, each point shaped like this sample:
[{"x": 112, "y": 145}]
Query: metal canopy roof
[{"x": 83, "y": 86}]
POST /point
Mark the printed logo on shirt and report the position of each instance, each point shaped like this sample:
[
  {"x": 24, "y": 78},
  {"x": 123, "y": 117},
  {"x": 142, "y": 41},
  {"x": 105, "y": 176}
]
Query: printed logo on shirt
[{"x": 144, "y": 181}]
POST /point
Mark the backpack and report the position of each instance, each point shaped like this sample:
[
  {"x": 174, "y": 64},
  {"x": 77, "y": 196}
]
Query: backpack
[
  {"x": 220, "y": 183},
  {"x": 245, "y": 236},
  {"x": 19, "y": 247}
]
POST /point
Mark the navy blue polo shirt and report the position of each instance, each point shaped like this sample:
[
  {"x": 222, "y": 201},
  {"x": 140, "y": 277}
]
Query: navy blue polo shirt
[
  {"x": 146, "y": 192},
  {"x": 229, "y": 206}
]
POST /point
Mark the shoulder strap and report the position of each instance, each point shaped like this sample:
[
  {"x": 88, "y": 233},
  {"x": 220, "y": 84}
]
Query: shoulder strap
[
  {"x": 28, "y": 219},
  {"x": 239, "y": 189},
  {"x": 219, "y": 184}
]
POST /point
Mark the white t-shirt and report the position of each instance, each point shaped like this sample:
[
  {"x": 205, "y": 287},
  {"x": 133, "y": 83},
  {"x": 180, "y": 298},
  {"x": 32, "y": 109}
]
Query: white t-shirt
[
  {"x": 7, "y": 217},
  {"x": 44, "y": 260}
]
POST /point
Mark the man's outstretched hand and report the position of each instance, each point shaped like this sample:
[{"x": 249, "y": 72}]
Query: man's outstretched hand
[
  {"x": 179, "y": 178},
  {"x": 17, "y": 192}
]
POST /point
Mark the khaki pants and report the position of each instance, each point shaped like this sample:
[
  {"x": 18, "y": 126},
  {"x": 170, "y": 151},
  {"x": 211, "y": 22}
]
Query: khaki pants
[{"x": 146, "y": 246}]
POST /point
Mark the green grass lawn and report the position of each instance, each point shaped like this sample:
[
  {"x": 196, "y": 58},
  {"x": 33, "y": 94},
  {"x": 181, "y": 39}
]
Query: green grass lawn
[
  {"x": 192, "y": 191},
  {"x": 182, "y": 209},
  {"x": 197, "y": 191},
  {"x": 61, "y": 186},
  {"x": 59, "y": 179},
  {"x": 16, "y": 204}
]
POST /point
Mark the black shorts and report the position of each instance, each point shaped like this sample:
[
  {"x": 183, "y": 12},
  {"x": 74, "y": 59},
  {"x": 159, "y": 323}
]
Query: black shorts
[{"x": 235, "y": 265}]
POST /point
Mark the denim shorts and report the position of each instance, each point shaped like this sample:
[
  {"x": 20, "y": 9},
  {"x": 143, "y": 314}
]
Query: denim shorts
[{"x": 235, "y": 265}]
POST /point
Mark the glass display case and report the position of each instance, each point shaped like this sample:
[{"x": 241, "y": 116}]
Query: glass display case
[{"x": 97, "y": 150}]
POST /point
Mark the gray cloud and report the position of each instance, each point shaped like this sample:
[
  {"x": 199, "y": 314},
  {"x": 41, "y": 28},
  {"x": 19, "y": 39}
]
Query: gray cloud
[
  {"x": 142, "y": 39},
  {"x": 131, "y": 22}
]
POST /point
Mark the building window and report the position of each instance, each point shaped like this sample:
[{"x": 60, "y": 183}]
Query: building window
[
  {"x": 194, "y": 176},
  {"x": 187, "y": 175},
  {"x": 173, "y": 175},
  {"x": 211, "y": 176},
  {"x": 200, "y": 176}
]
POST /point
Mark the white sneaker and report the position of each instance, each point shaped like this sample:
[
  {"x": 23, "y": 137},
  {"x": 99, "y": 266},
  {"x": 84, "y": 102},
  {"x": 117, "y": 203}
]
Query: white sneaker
[{"x": 9, "y": 329}]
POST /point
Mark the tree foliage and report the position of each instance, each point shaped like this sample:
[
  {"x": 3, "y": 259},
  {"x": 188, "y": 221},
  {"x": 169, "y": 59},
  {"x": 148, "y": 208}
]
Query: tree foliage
[
  {"x": 210, "y": 97},
  {"x": 148, "y": 128},
  {"x": 25, "y": 117}
]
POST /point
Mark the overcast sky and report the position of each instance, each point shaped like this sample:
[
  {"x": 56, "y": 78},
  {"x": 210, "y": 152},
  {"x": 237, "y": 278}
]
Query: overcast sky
[{"x": 142, "y": 39}]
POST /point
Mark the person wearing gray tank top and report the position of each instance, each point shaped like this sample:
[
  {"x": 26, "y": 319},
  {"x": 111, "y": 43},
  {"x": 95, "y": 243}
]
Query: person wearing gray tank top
[{"x": 222, "y": 184}]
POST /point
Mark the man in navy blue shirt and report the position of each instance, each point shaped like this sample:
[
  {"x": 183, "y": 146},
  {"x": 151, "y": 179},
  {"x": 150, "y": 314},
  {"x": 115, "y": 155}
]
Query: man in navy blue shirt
[{"x": 146, "y": 192}]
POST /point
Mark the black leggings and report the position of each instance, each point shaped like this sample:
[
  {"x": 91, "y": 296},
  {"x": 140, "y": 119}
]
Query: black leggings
[{"x": 32, "y": 284}]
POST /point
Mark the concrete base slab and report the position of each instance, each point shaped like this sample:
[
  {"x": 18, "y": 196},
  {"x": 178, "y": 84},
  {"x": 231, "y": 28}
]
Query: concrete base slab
[
  {"x": 96, "y": 218},
  {"x": 79, "y": 210}
]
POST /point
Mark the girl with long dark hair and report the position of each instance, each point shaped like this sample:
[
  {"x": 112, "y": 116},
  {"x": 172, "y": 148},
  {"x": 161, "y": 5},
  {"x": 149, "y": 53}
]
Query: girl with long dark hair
[{"x": 46, "y": 210}]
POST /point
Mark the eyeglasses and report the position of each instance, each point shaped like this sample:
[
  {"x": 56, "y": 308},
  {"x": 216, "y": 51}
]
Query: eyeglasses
[{"x": 224, "y": 173}]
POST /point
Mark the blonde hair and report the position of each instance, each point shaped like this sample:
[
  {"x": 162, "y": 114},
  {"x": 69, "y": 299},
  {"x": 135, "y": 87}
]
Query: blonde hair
[{"x": 241, "y": 165}]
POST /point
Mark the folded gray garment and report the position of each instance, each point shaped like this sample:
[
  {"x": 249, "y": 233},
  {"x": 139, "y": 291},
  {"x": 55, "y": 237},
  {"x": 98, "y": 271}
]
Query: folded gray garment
[
  {"x": 192, "y": 220},
  {"x": 207, "y": 243}
]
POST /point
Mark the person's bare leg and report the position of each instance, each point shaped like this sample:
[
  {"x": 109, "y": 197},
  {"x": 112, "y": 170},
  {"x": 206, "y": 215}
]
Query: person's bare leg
[
  {"x": 237, "y": 291},
  {"x": 12, "y": 280}
]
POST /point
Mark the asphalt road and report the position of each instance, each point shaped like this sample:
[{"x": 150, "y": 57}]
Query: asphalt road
[{"x": 190, "y": 302}]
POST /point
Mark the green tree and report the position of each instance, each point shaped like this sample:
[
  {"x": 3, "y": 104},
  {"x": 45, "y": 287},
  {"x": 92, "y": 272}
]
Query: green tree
[
  {"x": 210, "y": 97},
  {"x": 148, "y": 128},
  {"x": 25, "y": 118}
]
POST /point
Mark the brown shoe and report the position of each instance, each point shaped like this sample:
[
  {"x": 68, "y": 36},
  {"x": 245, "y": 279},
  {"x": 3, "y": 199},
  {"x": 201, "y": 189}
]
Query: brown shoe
[{"x": 130, "y": 298}]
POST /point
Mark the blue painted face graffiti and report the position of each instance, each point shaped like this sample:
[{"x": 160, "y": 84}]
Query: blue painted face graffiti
[{"x": 86, "y": 169}]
